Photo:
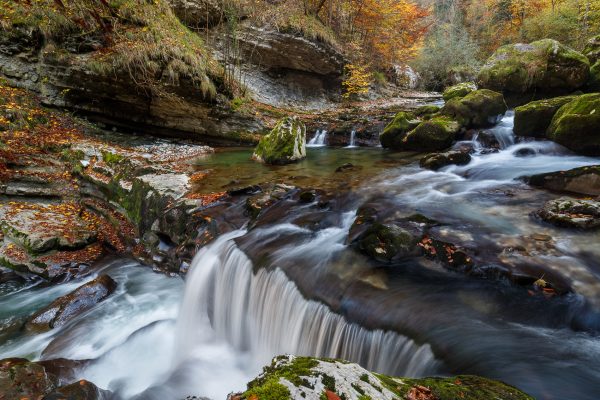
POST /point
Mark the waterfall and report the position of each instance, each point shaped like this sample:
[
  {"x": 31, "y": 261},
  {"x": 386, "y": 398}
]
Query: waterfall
[
  {"x": 263, "y": 314},
  {"x": 319, "y": 140},
  {"x": 352, "y": 140},
  {"x": 503, "y": 132}
]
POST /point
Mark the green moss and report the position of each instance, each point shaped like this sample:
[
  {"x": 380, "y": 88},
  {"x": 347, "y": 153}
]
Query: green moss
[
  {"x": 533, "y": 119},
  {"x": 284, "y": 144},
  {"x": 295, "y": 372},
  {"x": 395, "y": 131},
  {"x": 459, "y": 91},
  {"x": 576, "y": 125},
  {"x": 592, "y": 49},
  {"x": 594, "y": 82},
  {"x": 478, "y": 109},
  {"x": 436, "y": 134},
  {"x": 112, "y": 158}
]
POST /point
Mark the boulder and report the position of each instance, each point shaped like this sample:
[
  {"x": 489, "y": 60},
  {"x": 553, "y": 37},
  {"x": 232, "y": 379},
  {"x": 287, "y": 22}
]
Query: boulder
[
  {"x": 395, "y": 131},
  {"x": 584, "y": 180},
  {"x": 285, "y": 144},
  {"x": 388, "y": 243},
  {"x": 298, "y": 378},
  {"x": 65, "y": 308},
  {"x": 22, "y": 379},
  {"x": 459, "y": 91},
  {"x": 478, "y": 109},
  {"x": 440, "y": 160},
  {"x": 594, "y": 82},
  {"x": 197, "y": 13},
  {"x": 571, "y": 213},
  {"x": 426, "y": 112},
  {"x": 592, "y": 49},
  {"x": 435, "y": 134},
  {"x": 544, "y": 66},
  {"x": 81, "y": 390},
  {"x": 533, "y": 119},
  {"x": 576, "y": 125}
]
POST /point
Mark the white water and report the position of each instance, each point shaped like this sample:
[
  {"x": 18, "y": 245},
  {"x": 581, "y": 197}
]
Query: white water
[
  {"x": 352, "y": 144},
  {"x": 319, "y": 140}
]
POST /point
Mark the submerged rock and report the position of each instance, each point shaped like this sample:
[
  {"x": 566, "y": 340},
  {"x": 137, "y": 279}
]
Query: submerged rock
[
  {"x": 533, "y": 119},
  {"x": 285, "y": 144},
  {"x": 576, "y": 125},
  {"x": 65, "y": 308},
  {"x": 459, "y": 91},
  {"x": 544, "y": 66},
  {"x": 298, "y": 378},
  {"x": 571, "y": 213},
  {"x": 478, "y": 109},
  {"x": 440, "y": 160},
  {"x": 584, "y": 180}
]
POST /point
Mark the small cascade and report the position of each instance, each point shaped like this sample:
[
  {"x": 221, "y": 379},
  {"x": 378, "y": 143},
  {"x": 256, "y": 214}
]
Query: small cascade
[
  {"x": 352, "y": 144},
  {"x": 263, "y": 314},
  {"x": 319, "y": 140},
  {"x": 503, "y": 132}
]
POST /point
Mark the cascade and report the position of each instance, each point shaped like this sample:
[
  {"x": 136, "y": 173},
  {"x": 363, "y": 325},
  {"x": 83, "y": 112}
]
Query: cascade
[{"x": 319, "y": 140}]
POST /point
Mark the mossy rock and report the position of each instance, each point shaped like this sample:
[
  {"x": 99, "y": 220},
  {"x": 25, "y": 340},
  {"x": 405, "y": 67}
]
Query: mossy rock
[
  {"x": 395, "y": 131},
  {"x": 479, "y": 109},
  {"x": 298, "y": 378},
  {"x": 594, "y": 82},
  {"x": 285, "y": 144},
  {"x": 426, "y": 112},
  {"x": 459, "y": 91},
  {"x": 576, "y": 125},
  {"x": 533, "y": 119},
  {"x": 437, "y": 161},
  {"x": 583, "y": 180},
  {"x": 543, "y": 66},
  {"x": 388, "y": 242},
  {"x": 592, "y": 49},
  {"x": 436, "y": 134}
]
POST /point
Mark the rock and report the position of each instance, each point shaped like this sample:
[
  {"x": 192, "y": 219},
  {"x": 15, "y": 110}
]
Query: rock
[
  {"x": 197, "y": 13},
  {"x": 81, "y": 390},
  {"x": 459, "y": 91},
  {"x": 592, "y": 49},
  {"x": 544, "y": 66},
  {"x": 22, "y": 379},
  {"x": 576, "y": 125},
  {"x": 345, "y": 167},
  {"x": 63, "y": 309},
  {"x": 571, "y": 213},
  {"x": 285, "y": 144},
  {"x": 594, "y": 82},
  {"x": 584, "y": 180},
  {"x": 478, "y": 109},
  {"x": 395, "y": 131},
  {"x": 388, "y": 243},
  {"x": 525, "y": 152},
  {"x": 436, "y": 134},
  {"x": 405, "y": 77},
  {"x": 298, "y": 378},
  {"x": 440, "y": 160},
  {"x": 426, "y": 112},
  {"x": 533, "y": 119}
]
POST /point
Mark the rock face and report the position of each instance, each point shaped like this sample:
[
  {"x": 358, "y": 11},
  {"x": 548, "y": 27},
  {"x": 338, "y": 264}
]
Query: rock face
[
  {"x": 584, "y": 180},
  {"x": 459, "y": 91},
  {"x": 285, "y": 144},
  {"x": 576, "y": 125},
  {"x": 478, "y": 109},
  {"x": 545, "y": 66},
  {"x": 299, "y": 378},
  {"x": 63, "y": 309},
  {"x": 571, "y": 213},
  {"x": 197, "y": 13},
  {"x": 592, "y": 49},
  {"x": 440, "y": 160},
  {"x": 533, "y": 119}
]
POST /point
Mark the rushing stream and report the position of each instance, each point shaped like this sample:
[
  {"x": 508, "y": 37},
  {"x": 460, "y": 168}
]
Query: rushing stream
[{"x": 245, "y": 297}]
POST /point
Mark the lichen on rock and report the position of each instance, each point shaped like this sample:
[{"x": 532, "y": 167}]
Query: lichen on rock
[{"x": 285, "y": 144}]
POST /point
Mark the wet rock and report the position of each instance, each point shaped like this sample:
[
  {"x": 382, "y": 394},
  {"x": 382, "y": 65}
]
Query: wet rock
[
  {"x": 81, "y": 390},
  {"x": 435, "y": 134},
  {"x": 571, "y": 213},
  {"x": 269, "y": 196},
  {"x": 285, "y": 144},
  {"x": 576, "y": 125},
  {"x": 300, "y": 378},
  {"x": 395, "y": 132},
  {"x": 525, "y": 152},
  {"x": 22, "y": 379},
  {"x": 347, "y": 167},
  {"x": 479, "y": 109},
  {"x": 440, "y": 160},
  {"x": 544, "y": 66},
  {"x": 65, "y": 308},
  {"x": 308, "y": 196},
  {"x": 584, "y": 180},
  {"x": 459, "y": 91},
  {"x": 388, "y": 242},
  {"x": 594, "y": 82},
  {"x": 533, "y": 119}
]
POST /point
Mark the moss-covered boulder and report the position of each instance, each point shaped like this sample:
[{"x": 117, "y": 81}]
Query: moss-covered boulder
[
  {"x": 299, "y": 378},
  {"x": 285, "y": 144},
  {"x": 576, "y": 125},
  {"x": 459, "y": 91},
  {"x": 533, "y": 119},
  {"x": 594, "y": 82},
  {"x": 435, "y": 134},
  {"x": 479, "y": 109},
  {"x": 426, "y": 112},
  {"x": 437, "y": 161},
  {"x": 542, "y": 66},
  {"x": 592, "y": 49},
  {"x": 583, "y": 180},
  {"x": 395, "y": 131}
]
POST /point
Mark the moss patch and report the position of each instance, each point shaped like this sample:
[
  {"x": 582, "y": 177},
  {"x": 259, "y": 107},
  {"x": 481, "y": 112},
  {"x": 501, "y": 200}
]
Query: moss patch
[
  {"x": 533, "y": 119},
  {"x": 576, "y": 125}
]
